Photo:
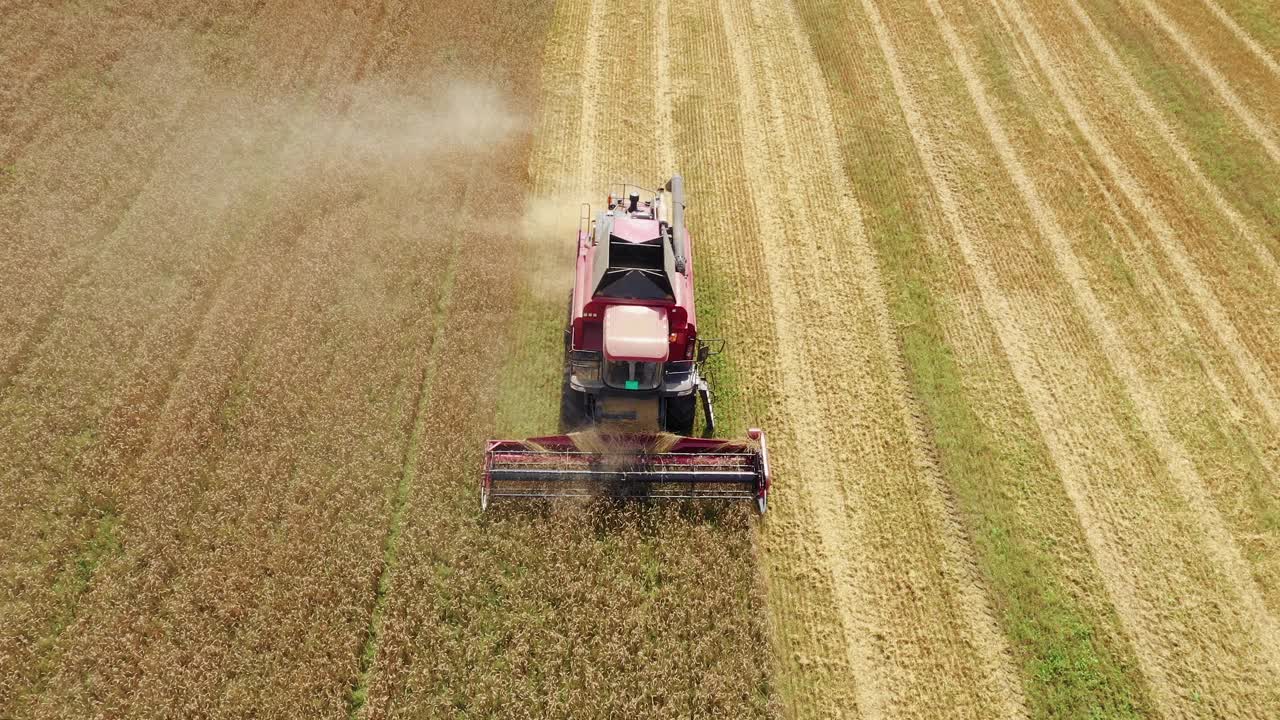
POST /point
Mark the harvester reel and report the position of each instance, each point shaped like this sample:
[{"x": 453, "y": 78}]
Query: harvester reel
[{"x": 630, "y": 465}]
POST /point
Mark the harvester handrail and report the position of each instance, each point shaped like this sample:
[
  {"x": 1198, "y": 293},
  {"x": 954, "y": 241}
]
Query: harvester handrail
[
  {"x": 584, "y": 218},
  {"x": 624, "y": 186}
]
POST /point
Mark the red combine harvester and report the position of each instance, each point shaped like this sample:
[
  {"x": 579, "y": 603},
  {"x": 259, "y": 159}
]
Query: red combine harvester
[{"x": 633, "y": 375}]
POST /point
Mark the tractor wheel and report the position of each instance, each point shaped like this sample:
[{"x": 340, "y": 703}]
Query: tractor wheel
[
  {"x": 573, "y": 406},
  {"x": 680, "y": 414},
  {"x": 568, "y": 326}
]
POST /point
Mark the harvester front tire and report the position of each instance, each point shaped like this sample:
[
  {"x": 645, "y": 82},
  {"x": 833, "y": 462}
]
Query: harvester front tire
[
  {"x": 573, "y": 407},
  {"x": 681, "y": 412}
]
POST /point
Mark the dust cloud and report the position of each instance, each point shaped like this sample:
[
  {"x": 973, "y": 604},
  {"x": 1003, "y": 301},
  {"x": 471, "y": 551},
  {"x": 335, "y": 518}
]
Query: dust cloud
[
  {"x": 549, "y": 229},
  {"x": 386, "y": 137}
]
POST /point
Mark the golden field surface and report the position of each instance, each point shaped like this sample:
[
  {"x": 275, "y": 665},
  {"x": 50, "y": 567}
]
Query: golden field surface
[{"x": 1000, "y": 278}]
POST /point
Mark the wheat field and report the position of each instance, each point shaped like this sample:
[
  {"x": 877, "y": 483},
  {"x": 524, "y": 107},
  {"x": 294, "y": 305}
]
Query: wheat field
[{"x": 1000, "y": 278}]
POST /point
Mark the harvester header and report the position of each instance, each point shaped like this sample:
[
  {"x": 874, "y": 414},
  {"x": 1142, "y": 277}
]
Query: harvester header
[{"x": 649, "y": 466}]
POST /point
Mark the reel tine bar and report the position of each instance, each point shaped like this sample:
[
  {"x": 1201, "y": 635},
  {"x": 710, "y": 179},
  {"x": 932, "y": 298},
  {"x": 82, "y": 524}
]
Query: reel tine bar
[{"x": 690, "y": 468}]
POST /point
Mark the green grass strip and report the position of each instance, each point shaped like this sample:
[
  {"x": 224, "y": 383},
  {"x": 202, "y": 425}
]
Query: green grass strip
[
  {"x": 1236, "y": 164},
  {"x": 1259, "y": 18}
]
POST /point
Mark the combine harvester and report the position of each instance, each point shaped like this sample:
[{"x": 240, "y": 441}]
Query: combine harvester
[{"x": 633, "y": 375}]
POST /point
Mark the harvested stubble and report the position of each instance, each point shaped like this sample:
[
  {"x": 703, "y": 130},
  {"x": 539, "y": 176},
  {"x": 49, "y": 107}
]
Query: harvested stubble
[{"x": 1148, "y": 525}]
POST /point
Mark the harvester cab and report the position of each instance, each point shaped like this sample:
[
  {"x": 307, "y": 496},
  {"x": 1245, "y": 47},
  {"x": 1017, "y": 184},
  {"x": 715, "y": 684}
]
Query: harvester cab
[{"x": 633, "y": 375}]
